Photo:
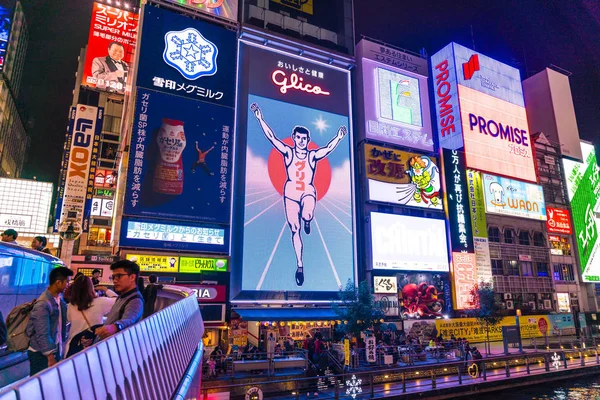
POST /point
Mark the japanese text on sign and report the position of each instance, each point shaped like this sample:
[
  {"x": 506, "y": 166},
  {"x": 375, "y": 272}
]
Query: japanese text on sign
[
  {"x": 138, "y": 150},
  {"x": 187, "y": 88}
]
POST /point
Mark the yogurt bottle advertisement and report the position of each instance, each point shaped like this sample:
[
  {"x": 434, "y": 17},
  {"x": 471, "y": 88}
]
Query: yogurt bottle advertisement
[{"x": 179, "y": 159}]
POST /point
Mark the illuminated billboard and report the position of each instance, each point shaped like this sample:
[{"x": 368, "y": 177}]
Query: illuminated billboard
[
  {"x": 6, "y": 16},
  {"x": 110, "y": 48},
  {"x": 583, "y": 186},
  {"x": 227, "y": 9},
  {"x": 424, "y": 295},
  {"x": 510, "y": 197},
  {"x": 79, "y": 167},
  {"x": 465, "y": 278},
  {"x": 400, "y": 242},
  {"x": 173, "y": 236},
  {"x": 558, "y": 221},
  {"x": 457, "y": 200},
  {"x": 155, "y": 263},
  {"x": 294, "y": 199},
  {"x": 170, "y": 263},
  {"x": 480, "y": 107},
  {"x": 481, "y": 243},
  {"x": 402, "y": 178},
  {"x": 25, "y": 205},
  {"x": 395, "y": 98},
  {"x": 180, "y": 160},
  {"x": 187, "y": 57}
]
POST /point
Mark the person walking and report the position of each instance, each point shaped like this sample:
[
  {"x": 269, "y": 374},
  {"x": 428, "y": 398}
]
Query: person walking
[
  {"x": 47, "y": 326},
  {"x": 85, "y": 312},
  {"x": 129, "y": 306}
]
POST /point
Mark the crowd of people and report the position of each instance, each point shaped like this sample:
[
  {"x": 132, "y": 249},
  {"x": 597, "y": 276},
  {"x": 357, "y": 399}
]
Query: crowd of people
[
  {"x": 38, "y": 243},
  {"x": 94, "y": 312}
]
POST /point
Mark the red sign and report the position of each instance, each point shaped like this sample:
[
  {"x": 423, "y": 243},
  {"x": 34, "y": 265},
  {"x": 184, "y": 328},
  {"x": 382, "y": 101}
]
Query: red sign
[
  {"x": 105, "y": 178},
  {"x": 111, "y": 44},
  {"x": 464, "y": 273},
  {"x": 558, "y": 221},
  {"x": 209, "y": 293}
]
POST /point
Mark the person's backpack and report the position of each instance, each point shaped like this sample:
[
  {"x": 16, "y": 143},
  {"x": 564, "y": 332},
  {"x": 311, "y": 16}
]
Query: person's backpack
[{"x": 16, "y": 324}]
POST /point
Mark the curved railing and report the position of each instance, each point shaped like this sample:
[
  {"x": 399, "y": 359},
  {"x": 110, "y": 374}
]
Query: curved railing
[{"x": 153, "y": 359}]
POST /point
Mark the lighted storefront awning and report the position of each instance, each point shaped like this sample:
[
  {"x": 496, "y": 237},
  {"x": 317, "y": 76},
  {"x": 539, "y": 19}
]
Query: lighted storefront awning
[{"x": 286, "y": 314}]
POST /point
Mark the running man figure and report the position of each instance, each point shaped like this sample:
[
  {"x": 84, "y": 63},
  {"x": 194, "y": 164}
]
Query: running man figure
[
  {"x": 202, "y": 160},
  {"x": 299, "y": 193}
]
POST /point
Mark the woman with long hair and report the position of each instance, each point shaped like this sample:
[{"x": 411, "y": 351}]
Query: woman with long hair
[{"x": 85, "y": 311}]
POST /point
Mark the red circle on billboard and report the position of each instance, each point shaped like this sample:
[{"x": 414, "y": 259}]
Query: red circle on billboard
[{"x": 278, "y": 173}]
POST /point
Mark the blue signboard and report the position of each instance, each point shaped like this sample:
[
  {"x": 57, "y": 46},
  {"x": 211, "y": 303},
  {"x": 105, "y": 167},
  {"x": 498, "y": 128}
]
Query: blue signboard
[
  {"x": 510, "y": 197},
  {"x": 187, "y": 57},
  {"x": 6, "y": 15},
  {"x": 168, "y": 235},
  {"x": 179, "y": 162}
]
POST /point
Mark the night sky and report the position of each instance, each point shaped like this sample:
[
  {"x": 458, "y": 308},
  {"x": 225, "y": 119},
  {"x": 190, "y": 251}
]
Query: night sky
[{"x": 526, "y": 34}]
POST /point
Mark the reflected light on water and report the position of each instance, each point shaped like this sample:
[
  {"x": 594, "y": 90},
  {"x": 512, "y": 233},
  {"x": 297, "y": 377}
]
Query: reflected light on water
[{"x": 581, "y": 389}]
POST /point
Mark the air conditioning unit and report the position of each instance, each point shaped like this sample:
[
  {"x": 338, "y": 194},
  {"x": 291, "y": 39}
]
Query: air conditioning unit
[
  {"x": 532, "y": 305},
  {"x": 540, "y": 296},
  {"x": 507, "y": 296},
  {"x": 548, "y": 304},
  {"x": 510, "y": 305}
]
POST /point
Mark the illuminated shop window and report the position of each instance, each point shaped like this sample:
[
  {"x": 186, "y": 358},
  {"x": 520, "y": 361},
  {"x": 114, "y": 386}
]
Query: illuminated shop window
[{"x": 99, "y": 237}]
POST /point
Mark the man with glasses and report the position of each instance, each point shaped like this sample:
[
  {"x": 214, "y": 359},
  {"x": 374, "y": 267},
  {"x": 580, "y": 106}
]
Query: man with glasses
[
  {"x": 47, "y": 326},
  {"x": 129, "y": 306}
]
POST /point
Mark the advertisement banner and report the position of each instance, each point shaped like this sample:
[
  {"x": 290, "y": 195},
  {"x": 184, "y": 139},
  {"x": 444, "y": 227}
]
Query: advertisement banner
[
  {"x": 406, "y": 243},
  {"x": 388, "y": 303},
  {"x": 465, "y": 277},
  {"x": 395, "y": 96},
  {"x": 155, "y": 263},
  {"x": 209, "y": 293},
  {"x": 457, "y": 199},
  {"x": 385, "y": 284},
  {"x": 484, "y": 261},
  {"x": 371, "y": 349},
  {"x": 558, "y": 221},
  {"x": 347, "y": 352},
  {"x": 403, "y": 178},
  {"x": 477, "y": 204},
  {"x": 110, "y": 49},
  {"x": 83, "y": 151},
  {"x": 473, "y": 331},
  {"x": 169, "y": 235},
  {"x": 64, "y": 168},
  {"x": 180, "y": 163},
  {"x": 197, "y": 265},
  {"x": 227, "y": 9},
  {"x": 506, "y": 196},
  {"x": 423, "y": 295},
  {"x": 6, "y": 16},
  {"x": 295, "y": 192},
  {"x": 583, "y": 186},
  {"x": 187, "y": 57}
]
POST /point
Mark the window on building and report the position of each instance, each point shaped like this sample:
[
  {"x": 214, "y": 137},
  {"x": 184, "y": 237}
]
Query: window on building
[
  {"x": 111, "y": 124},
  {"x": 538, "y": 239},
  {"x": 512, "y": 267},
  {"x": 524, "y": 238},
  {"x": 494, "y": 234},
  {"x": 542, "y": 269},
  {"x": 497, "y": 267},
  {"x": 563, "y": 272},
  {"x": 526, "y": 268},
  {"x": 509, "y": 236}
]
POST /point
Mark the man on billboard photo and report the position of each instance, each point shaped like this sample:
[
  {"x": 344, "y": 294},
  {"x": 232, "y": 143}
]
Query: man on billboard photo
[
  {"x": 299, "y": 193},
  {"x": 111, "y": 68},
  {"x": 202, "y": 160}
]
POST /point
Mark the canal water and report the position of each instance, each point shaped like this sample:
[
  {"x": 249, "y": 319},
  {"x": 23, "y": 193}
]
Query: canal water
[{"x": 580, "y": 389}]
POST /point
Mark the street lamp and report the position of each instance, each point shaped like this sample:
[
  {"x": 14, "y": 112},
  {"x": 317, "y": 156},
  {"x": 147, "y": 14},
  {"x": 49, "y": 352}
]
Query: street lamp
[{"x": 519, "y": 330}]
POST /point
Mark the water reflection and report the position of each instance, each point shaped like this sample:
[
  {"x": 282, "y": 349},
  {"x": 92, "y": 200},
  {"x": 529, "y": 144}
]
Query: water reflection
[{"x": 581, "y": 389}]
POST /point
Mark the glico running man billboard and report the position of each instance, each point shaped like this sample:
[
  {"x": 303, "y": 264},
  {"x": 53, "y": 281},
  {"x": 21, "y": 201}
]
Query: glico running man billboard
[
  {"x": 489, "y": 121},
  {"x": 583, "y": 186},
  {"x": 394, "y": 96},
  {"x": 293, "y": 228},
  {"x": 182, "y": 141},
  {"x": 403, "y": 178},
  {"x": 111, "y": 44}
]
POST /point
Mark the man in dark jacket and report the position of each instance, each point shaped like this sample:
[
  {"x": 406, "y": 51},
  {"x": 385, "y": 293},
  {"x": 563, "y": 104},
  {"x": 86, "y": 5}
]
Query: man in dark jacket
[{"x": 47, "y": 326}]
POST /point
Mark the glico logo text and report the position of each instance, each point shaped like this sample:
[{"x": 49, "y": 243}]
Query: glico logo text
[
  {"x": 82, "y": 144},
  {"x": 294, "y": 82},
  {"x": 442, "y": 91},
  {"x": 495, "y": 129}
]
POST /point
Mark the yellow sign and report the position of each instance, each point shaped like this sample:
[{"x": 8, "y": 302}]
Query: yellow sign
[
  {"x": 155, "y": 263},
  {"x": 306, "y": 6},
  {"x": 346, "y": 352},
  {"x": 389, "y": 165},
  {"x": 194, "y": 265},
  {"x": 470, "y": 329}
]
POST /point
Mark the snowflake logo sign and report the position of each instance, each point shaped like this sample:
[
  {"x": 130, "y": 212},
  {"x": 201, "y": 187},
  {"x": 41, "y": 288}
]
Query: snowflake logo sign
[
  {"x": 354, "y": 386},
  {"x": 190, "y": 53},
  {"x": 556, "y": 360}
]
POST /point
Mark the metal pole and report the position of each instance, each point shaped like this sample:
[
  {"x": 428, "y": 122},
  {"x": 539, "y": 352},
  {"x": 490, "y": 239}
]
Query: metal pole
[
  {"x": 403, "y": 382},
  {"x": 433, "y": 382},
  {"x": 507, "y": 369},
  {"x": 484, "y": 371},
  {"x": 547, "y": 362},
  {"x": 371, "y": 385},
  {"x": 527, "y": 365},
  {"x": 582, "y": 357}
]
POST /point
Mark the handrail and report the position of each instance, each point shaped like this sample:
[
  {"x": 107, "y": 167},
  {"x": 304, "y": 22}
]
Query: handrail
[{"x": 149, "y": 360}]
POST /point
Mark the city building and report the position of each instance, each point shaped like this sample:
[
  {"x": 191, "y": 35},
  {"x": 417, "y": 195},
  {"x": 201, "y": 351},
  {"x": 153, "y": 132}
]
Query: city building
[{"x": 13, "y": 136}]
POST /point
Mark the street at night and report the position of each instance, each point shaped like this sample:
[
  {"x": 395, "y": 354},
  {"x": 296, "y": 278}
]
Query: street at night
[{"x": 293, "y": 199}]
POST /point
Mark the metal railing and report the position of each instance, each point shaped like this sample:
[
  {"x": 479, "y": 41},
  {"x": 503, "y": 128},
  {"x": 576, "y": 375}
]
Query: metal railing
[
  {"x": 153, "y": 359},
  {"x": 423, "y": 378}
]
